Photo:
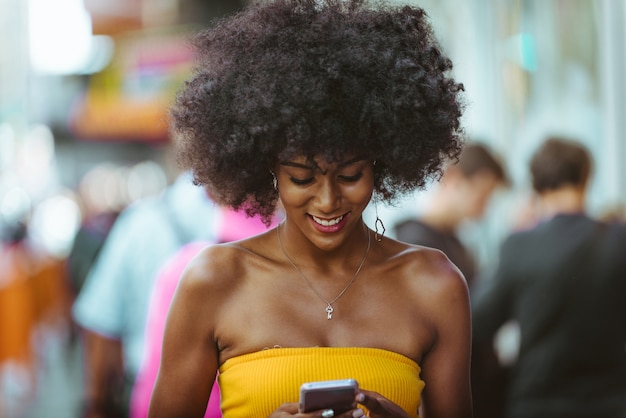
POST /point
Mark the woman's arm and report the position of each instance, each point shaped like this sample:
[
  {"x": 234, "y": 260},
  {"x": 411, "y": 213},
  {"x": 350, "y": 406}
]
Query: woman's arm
[
  {"x": 189, "y": 360},
  {"x": 446, "y": 365}
]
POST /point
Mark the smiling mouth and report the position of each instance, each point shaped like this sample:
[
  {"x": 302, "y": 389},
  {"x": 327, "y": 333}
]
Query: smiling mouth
[{"x": 327, "y": 222}]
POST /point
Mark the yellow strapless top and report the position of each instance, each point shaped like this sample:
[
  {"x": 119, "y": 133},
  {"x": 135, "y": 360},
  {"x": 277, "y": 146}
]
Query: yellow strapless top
[{"x": 254, "y": 385}]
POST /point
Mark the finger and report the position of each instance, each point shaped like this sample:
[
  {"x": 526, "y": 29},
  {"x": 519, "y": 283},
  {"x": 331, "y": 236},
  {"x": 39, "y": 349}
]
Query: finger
[
  {"x": 327, "y": 413},
  {"x": 365, "y": 398},
  {"x": 377, "y": 404},
  {"x": 290, "y": 408},
  {"x": 368, "y": 399},
  {"x": 354, "y": 413}
]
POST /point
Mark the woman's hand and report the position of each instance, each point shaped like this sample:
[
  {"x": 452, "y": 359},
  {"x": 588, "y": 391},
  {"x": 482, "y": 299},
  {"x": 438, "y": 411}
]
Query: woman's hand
[
  {"x": 379, "y": 406},
  {"x": 291, "y": 410}
]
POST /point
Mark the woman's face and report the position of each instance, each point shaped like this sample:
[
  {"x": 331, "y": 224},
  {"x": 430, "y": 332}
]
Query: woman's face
[{"x": 323, "y": 200}]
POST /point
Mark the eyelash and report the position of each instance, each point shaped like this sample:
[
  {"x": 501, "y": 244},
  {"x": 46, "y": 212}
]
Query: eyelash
[
  {"x": 352, "y": 179},
  {"x": 301, "y": 182},
  {"x": 349, "y": 179}
]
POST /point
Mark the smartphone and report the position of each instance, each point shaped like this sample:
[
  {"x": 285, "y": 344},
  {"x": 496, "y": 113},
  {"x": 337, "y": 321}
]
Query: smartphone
[{"x": 338, "y": 395}]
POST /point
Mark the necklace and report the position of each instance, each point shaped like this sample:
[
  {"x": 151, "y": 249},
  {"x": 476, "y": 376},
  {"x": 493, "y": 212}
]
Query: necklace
[{"x": 329, "y": 303}]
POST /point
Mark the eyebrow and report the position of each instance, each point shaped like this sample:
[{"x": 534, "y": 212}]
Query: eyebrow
[
  {"x": 313, "y": 167},
  {"x": 297, "y": 165}
]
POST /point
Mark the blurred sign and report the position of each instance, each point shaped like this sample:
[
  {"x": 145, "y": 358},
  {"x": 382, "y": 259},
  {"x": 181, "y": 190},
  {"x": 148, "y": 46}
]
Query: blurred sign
[
  {"x": 129, "y": 100},
  {"x": 115, "y": 16}
]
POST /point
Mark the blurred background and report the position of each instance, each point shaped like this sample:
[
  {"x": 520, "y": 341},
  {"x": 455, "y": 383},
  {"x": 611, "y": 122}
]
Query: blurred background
[{"x": 84, "y": 91}]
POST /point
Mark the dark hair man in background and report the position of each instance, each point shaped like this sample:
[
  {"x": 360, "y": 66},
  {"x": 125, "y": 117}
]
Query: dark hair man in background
[{"x": 564, "y": 283}]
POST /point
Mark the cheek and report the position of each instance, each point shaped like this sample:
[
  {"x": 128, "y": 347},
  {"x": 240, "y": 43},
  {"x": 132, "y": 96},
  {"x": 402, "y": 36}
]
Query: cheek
[
  {"x": 364, "y": 196},
  {"x": 360, "y": 194}
]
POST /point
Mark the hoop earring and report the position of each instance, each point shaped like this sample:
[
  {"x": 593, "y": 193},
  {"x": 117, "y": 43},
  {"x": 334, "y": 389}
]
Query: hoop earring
[
  {"x": 378, "y": 223},
  {"x": 274, "y": 180}
]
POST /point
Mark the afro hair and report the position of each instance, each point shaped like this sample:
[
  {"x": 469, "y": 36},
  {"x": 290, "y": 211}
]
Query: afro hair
[{"x": 316, "y": 78}]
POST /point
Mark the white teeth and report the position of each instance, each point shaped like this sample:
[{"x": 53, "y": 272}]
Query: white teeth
[{"x": 324, "y": 222}]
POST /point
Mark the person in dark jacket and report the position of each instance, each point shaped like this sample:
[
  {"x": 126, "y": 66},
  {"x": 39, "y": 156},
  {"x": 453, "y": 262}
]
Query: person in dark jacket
[{"x": 563, "y": 282}]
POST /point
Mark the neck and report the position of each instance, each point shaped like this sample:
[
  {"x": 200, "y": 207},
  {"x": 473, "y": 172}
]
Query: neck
[
  {"x": 308, "y": 253},
  {"x": 565, "y": 200}
]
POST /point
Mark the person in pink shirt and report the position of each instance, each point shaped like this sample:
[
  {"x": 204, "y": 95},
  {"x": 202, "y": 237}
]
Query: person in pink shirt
[{"x": 233, "y": 226}]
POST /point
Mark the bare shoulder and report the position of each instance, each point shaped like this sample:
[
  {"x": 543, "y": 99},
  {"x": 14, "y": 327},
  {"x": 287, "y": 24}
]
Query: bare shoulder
[
  {"x": 218, "y": 268},
  {"x": 436, "y": 281},
  {"x": 429, "y": 264}
]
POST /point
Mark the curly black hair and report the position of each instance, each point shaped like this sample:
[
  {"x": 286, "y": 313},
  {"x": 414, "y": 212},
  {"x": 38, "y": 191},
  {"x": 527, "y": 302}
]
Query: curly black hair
[{"x": 316, "y": 78}]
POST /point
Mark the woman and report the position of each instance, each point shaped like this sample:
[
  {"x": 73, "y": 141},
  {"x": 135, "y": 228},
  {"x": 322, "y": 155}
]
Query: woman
[{"x": 318, "y": 105}]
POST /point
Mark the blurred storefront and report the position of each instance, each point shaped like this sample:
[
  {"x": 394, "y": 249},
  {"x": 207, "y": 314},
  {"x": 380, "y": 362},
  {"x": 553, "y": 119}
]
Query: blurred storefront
[{"x": 88, "y": 82}]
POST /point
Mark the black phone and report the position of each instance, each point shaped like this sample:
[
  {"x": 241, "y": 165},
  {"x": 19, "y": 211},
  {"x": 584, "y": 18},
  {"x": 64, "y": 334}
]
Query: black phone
[{"x": 338, "y": 395}]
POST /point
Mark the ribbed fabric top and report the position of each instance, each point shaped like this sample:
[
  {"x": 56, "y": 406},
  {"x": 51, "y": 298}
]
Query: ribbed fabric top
[{"x": 255, "y": 384}]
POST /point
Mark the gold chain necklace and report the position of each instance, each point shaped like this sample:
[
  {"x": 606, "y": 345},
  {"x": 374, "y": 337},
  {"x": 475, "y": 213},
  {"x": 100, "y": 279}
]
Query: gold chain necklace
[{"x": 329, "y": 304}]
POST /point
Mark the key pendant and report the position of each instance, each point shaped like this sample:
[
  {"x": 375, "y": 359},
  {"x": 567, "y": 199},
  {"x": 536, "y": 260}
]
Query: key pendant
[{"x": 329, "y": 312}]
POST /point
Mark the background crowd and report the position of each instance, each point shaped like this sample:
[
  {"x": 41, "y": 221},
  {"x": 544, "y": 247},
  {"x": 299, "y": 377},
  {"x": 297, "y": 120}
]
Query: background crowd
[{"x": 93, "y": 211}]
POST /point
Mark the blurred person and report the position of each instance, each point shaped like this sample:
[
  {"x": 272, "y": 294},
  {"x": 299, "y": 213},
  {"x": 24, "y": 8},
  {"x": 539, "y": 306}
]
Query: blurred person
[
  {"x": 18, "y": 318},
  {"x": 463, "y": 195},
  {"x": 112, "y": 305},
  {"x": 234, "y": 226},
  {"x": 101, "y": 199},
  {"x": 317, "y": 105},
  {"x": 104, "y": 191},
  {"x": 563, "y": 282},
  {"x": 33, "y": 310},
  {"x": 160, "y": 299}
]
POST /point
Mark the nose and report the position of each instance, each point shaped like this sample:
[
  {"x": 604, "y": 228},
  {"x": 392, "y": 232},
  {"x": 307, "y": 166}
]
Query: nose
[{"x": 328, "y": 196}]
